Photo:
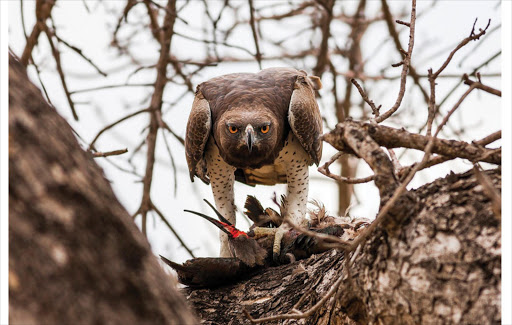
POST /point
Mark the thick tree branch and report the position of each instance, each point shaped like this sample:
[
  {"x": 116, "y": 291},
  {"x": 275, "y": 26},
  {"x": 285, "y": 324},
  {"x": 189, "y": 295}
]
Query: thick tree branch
[
  {"x": 454, "y": 245},
  {"x": 399, "y": 138}
]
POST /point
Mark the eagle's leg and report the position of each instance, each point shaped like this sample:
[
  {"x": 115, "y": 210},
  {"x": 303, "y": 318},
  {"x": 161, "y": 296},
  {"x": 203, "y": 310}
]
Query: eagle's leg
[
  {"x": 222, "y": 178},
  {"x": 297, "y": 177}
]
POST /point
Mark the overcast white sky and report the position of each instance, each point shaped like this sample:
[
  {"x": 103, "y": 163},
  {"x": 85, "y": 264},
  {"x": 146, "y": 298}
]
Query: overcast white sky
[{"x": 440, "y": 29}]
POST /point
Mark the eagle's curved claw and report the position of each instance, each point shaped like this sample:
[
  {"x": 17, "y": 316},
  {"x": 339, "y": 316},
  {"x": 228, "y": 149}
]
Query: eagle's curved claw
[{"x": 276, "y": 249}]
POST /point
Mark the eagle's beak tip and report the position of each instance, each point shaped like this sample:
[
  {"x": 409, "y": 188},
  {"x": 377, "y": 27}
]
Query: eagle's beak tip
[{"x": 250, "y": 137}]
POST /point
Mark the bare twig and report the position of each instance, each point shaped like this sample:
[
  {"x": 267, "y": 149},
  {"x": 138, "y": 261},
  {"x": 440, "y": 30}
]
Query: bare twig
[
  {"x": 127, "y": 117},
  {"x": 356, "y": 64},
  {"x": 254, "y": 34},
  {"x": 479, "y": 85},
  {"x": 325, "y": 170},
  {"x": 322, "y": 60},
  {"x": 173, "y": 164},
  {"x": 164, "y": 219},
  {"x": 394, "y": 159},
  {"x": 80, "y": 53},
  {"x": 109, "y": 153},
  {"x": 375, "y": 110},
  {"x": 406, "y": 63},
  {"x": 471, "y": 37},
  {"x": 56, "y": 55},
  {"x": 43, "y": 12},
  {"x": 431, "y": 103},
  {"x": 398, "y": 21},
  {"x": 489, "y": 139}
]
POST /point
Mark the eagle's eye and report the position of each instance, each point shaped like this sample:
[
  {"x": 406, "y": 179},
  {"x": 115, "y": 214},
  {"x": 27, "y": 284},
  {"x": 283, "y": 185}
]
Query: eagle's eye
[
  {"x": 265, "y": 129},
  {"x": 233, "y": 129}
]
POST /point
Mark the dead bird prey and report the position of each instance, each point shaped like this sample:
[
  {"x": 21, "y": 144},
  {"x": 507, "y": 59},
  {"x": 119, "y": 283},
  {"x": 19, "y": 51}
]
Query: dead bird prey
[
  {"x": 251, "y": 250},
  {"x": 247, "y": 255}
]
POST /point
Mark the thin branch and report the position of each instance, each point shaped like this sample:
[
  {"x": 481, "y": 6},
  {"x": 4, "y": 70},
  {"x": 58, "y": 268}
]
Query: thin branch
[
  {"x": 398, "y": 21},
  {"x": 56, "y": 55},
  {"x": 325, "y": 170},
  {"x": 489, "y": 139},
  {"x": 254, "y": 34},
  {"x": 486, "y": 62},
  {"x": 164, "y": 219},
  {"x": 479, "y": 85},
  {"x": 22, "y": 15},
  {"x": 38, "y": 72},
  {"x": 175, "y": 176},
  {"x": 109, "y": 153},
  {"x": 471, "y": 37},
  {"x": 214, "y": 42},
  {"x": 79, "y": 52},
  {"x": 91, "y": 146},
  {"x": 394, "y": 159},
  {"x": 43, "y": 11},
  {"x": 406, "y": 62},
  {"x": 326, "y": 18},
  {"x": 431, "y": 102},
  {"x": 375, "y": 110},
  {"x": 110, "y": 87},
  {"x": 129, "y": 5},
  {"x": 489, "y": 32}
]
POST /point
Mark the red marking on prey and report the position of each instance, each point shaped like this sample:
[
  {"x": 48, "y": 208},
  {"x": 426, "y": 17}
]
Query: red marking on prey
[{"x": 232, "y": 230}]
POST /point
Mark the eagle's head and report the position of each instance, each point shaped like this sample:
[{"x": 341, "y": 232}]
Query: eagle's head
[{"x": 248, "y": 137}]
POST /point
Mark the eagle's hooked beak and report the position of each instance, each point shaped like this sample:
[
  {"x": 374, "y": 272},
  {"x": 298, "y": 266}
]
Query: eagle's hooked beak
[{"x": 249, "y": 131}]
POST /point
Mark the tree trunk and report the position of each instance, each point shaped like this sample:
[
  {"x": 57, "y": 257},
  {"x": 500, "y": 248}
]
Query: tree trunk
[
  {"x": 443, "y": 266},
  {"x": 75, "y": 255}
]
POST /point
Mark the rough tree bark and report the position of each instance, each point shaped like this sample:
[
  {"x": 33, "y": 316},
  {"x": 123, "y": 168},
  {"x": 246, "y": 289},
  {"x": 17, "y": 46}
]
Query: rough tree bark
[
  {"x": 443, "y": 267},
  {"x": 75, "y": 255}
]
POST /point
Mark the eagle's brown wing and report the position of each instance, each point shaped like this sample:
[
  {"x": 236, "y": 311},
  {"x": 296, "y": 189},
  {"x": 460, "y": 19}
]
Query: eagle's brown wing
[
  {"x": 304, "y": 116},
  {"x": 198, "y": 132}
]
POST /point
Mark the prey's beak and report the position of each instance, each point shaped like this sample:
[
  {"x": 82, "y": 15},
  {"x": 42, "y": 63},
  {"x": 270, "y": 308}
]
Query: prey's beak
[
  {"x": 220, "y": 216},
  {"x": 249, "y": 140},
  {"x": 215, "y": 222}
]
